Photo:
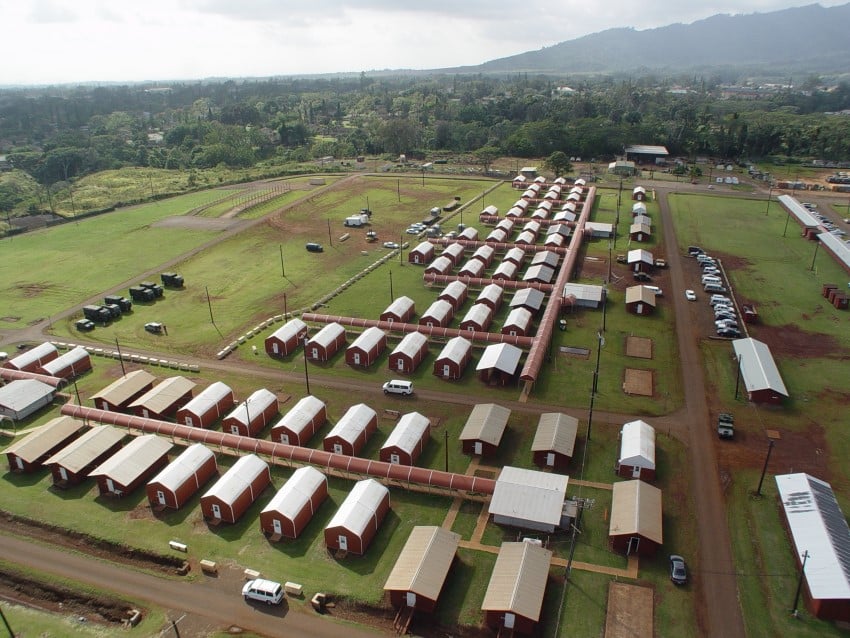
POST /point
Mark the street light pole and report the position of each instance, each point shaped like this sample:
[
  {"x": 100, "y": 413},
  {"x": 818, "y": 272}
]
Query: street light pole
[
  {"x": 306, "y": 372},
  {"x": 769, "y": 195},
  {"x": 800, "y": 583},
  {"x": 817, "y": 244},
  {"x": 392, "y": 298}
]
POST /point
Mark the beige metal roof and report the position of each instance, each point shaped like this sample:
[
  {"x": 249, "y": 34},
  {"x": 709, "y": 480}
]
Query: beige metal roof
[
  {"x": 119, "y": 391},
  {"x": 636, "y": 509},
  {"x": 487, "y": 423},
  {"x": 164, "y": 395},
  {"x": 518, "y": 581},
  {"x": 640, "y": 293},
  {"x": 84, "y": 450},
  {"x": 555, "y": 432},
  {"x": 43, "y": 438},
  {"x": 128, "y": 463},
  {"x": 424, "y": 562}
]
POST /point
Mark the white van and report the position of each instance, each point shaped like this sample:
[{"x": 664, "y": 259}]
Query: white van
[
  {"x": 713, "y": 288},
  {"x": 711, "y": 279},
  {"x": 656, "y": 290},
  {"x": 398, "y": 386},
  {"x": 262, "y": 590}
]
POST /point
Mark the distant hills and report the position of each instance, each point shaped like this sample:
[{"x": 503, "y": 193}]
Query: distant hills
[{"x": 810, "y": 39}]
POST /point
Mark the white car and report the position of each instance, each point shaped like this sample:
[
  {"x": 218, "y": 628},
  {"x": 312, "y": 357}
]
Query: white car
[
  {"x": 690, "y": 295},
  {"x": 390, "y": 244},
  {"x": 262, "y": 590}
]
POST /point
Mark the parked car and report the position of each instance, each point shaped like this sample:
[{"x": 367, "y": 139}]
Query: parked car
[
  {"x": 412, "y": 231},
  {"x": 690, "y": 295},
  {"x": 313, "y": 247},
  {"x": 154, "y": 327},
  {"x": 390, "y": 244},
  {"x": 731, "y": 333},
  {"x": 693, "y": 251},
  {"x": 655, "y": 289},
  {"x": 262, "y": 590},
  {"x": 641, "y": 276},
  {"x": 621, "y": 259},
  {"x": 678, "y": 570},
  {"x": 84, "y": 325},
  {"x": 716, "y": 299},
  {"x": 725, "y": 425}
]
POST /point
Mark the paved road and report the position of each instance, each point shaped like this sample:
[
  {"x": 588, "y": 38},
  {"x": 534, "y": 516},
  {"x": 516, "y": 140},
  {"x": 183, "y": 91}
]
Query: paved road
[
  {"x": 716, "y": 582},
  {"x": 181, "y": 596}
]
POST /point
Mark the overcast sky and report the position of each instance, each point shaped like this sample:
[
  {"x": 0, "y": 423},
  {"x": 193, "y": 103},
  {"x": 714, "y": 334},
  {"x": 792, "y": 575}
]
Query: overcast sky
[{"x": 60, "y": 41}]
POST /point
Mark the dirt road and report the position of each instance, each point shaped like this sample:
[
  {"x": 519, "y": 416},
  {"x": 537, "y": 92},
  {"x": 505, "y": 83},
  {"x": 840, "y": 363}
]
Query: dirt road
[
  {"x": 719, "y": 613},
  {"x": 178, "y": 596}
]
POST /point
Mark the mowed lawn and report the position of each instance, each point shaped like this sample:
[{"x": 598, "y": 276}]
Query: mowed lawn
[{"x": 810, "y": 345}]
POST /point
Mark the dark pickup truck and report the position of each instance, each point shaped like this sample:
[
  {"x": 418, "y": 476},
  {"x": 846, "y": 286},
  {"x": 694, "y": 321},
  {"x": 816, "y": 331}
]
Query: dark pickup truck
[{"x": 725, "y": 425}]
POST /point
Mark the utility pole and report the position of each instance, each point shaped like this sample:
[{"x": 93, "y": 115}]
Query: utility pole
[
  {"x": 800, "y": 583},
  {"x": 817, "y": 244},
  {"x": 120, "y": 358},
  {"x": 209, "y": 304},
  {"x": 392, "y": 298},
  {"x": 787, "y": 219},
  {"x": 306, "y": 373},
  {"x": 764, "y": 469},
  {"x": 769, "y": 194},
  {"x": 282, "y": 268},
  {"x": 330, "y": 239},
  {"x": 6, "y": 622},
  {"x": 738, "y": 377},
  {"x": 447, "y": 449}
]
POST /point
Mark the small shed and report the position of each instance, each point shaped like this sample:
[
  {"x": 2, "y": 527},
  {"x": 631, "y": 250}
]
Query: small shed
[
  {"x": 484, "y": 428},
  {"x": 599, "y": 230},
  {"x": 816, "y": 524},
  {"x": 252, "y": 415},
  {"x": 366, "y": 348},
  {"x": 554, "y": 440},
  {"x": 69, "y": 365},
  {"x": 506, "y": 271},
  {"x": 325, "y": 343},
  {"x": 526, "y": 237},
  {"x": 507, "y": 224},
  {"x": 499, "y": 364},
  {"x": 515, "y": 255},
  {"x": 119, "y": 394},
  {"x": 640, "y": 300},
  {"x": 408, "y": 354},
  {"x": 638, "y": 208},
  {"x": 518, "y": 323},
  {"x": 497, "y": 236},
  {"x": 438, "y": 315},
  {"x": 455, "y": 293},
  {"x": 29, "y": 453},
  {"x": 640, "y": 260},
  {"x": 407, "y": 440},
  {"x": 477, "y": 318},
  {"x": 421, "y": 569},
  {"x": 181, "y": 479},
  {"x": 453, "y": 358},
  {"x": 209, "y": 406},
  {"x": 514, "y": 597},
  {"x": 401, "y": 310},
  {"x": 637, "y": 451},
  {"x": 164, "y": 399},
  {"x": 442, "y": 265},
  {"x": 132, "y": 465},
  {"x": 31, "y": 360},
  {"x": 454, "y": 252},
  {"x": 351, "y": 432},
  {"x": 422, "y": 254},
  {"x": 583, "y": 295},
  {"x": 539, "y": 274},
  {"x": 294, "y": 504},
  {"x": 529, "y": 298},
  {"x": 554, "y": 241},
  {"x": 759, "y": 373},
  {"x": 72, "y": 464},
  {"x": 473, "y": 268},
  {"x": 490, "y": 211},
  {"x": 469, "y": 233},
  {"x": 636, "y": 518},
  {"x": 640, "y": 232},
  {"x": 491, "y": 295},
  {"x": 548, "y": 258},
  {"x": 516, "y": 210},
  {"x": 529, "y": 499},
  {"x": 286, "y": 339},
  {"x": 231, "y": 495},
  {"x": 358, "y": 519},
  {"x": 24, "y": 397},
  {"x": 301, "y": 422},
  {"x": 642, "y": 219},
  {"x": 639, "y": 194}
]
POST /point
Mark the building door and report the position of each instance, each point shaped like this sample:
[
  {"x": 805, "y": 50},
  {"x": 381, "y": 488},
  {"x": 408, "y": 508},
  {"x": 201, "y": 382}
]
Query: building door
[
  {"x": 446, "y": 371},
  {"x": 410, "y": 599},
  {"x": 190, "y": 421},
  {"x": 275, "y": 348},
  {"x": 639, "y": 309},
  {"x": 63, "y": 473},
  {"x": 636, "y": 471},
  {"x": 315, "y": 354},
  {"x": 284, "y": 438},
  {"x": 510, "y": 620},
  {"x": 394, "y": 458},
  {"x": 19, "y": 462},
  {"x": 145, "y": 413},
  {"x": 216, "y": 511},
  {"x": 356, "y": 358},
  {"x": 160, "y": 497},
  {"x": 478, "y": 447},
  {"x": 400, "y": 364},
  {"x": 278, "y": 528},
  {"x": 634, "y": 545},
  {"x": 110, "y": 486},
  {"x": 550, "y": 459},
  {"x": 234, "y": 429},
  {"x": 343, "y": 542},
  {"x": 337, "y": 448}
]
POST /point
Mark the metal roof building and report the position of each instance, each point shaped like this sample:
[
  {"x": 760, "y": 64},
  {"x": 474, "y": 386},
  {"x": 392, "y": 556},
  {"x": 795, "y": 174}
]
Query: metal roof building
[
  {"x": 484, "y": 428},
  {"x": 514, "y": 595},
  {"x": 518, "y": 322},
  {"x": 351, "y": 432},
  {"x": 357, "y": 520},
  {"x": 528, "y": 298},
  {"x": 23, "y": 397},
  {"x": 637, "y": 451},
  {"x": 499, "y": 363},
  {"x": 540, "y": 273},
  {"x": 491, "y": 295},
  {"x": 71, "y": 364},
  {"x": 301, "y": 422},
  {"x": 125, "y": 470},
  {"x": 72, "y": 463},
  {"x": 546, "y": 258},
  {"x": 640, "y": 300},
  {"x": 586, "y": 295},
  {"x": 422, "y": 567},
  {"x": 29, "y": 452},
  {"x": 802, "y": 214},
  {"x": 164, "y": 398},
  {"x": 838, "y": 248},
  {"x": 407, "y": 440},
  {"x": 818, "y": 526},
  {"x": 759, "y": 372},
  {"x": 118, "y": 394},
  {"x": 232, "y": 494},
  {"x": 636, "y": 516},
  {"x": 529, "y": 499},
  {"x": 554, "y": 440},
  {"x": 34, "y": 358},
  {"x": 294, "y": 504},
  {"x": 516, "y": 255}
]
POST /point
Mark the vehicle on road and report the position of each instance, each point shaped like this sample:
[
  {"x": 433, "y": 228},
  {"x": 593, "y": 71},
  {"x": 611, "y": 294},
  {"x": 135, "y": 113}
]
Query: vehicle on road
[
  {"x": 398, "y": 386},
  {"x": 661, "y": 263},
  {"x": 262, "y": 590},
  {"x": 678, "y": 570},
  {"x": 690, "y": 295},
  {"x": 725, "y": 425}
]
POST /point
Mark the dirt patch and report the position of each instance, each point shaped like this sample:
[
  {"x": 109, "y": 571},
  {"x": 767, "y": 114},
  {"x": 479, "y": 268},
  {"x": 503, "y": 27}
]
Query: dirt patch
[
  {"x": 630, "y": 612},
  {"x": 191, "y": 222},
  {"x": 54, "y": 598},
  {"x": 638, "y": 382},
  {"x": 789, "y": 340},
  {"x": 32, "y": 290},
  {"x": 382, "y": 618},
  {"x": 640, "y": 347},
  {"x": 10, "y": 319}
]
